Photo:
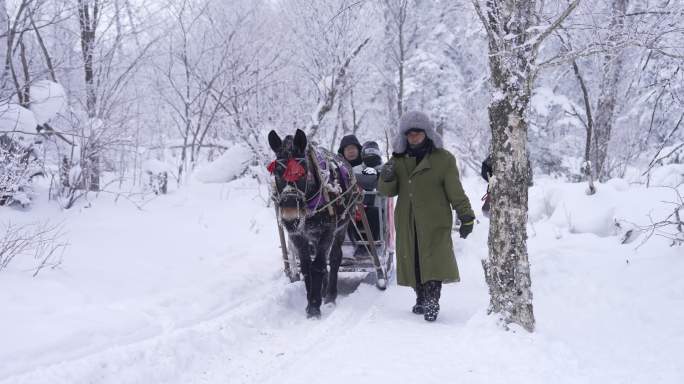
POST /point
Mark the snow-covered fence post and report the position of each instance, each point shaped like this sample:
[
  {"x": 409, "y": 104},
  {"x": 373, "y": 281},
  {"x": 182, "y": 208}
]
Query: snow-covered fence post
[{"x": 514, "y": 39}]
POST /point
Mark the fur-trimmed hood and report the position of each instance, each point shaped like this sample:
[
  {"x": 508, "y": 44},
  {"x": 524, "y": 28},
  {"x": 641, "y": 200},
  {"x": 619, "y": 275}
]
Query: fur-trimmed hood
[{"x": 415, "y": 119}]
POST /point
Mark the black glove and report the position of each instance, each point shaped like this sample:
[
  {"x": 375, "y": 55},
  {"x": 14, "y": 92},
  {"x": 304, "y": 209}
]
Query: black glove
[
  {"x": 387, "y": 172},
  {"x": 467, "y": 223}
]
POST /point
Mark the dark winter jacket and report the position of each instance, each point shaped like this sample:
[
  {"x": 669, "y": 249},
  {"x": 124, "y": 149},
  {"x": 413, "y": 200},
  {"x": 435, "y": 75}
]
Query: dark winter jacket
[{"x": 427, "y": 192}]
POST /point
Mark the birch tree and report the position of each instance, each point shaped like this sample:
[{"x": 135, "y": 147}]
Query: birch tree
[{"x": 514, "y": 37}]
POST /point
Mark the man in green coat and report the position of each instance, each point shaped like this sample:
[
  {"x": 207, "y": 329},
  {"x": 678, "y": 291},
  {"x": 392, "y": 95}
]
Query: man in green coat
[{"x": 425, "y": 178}]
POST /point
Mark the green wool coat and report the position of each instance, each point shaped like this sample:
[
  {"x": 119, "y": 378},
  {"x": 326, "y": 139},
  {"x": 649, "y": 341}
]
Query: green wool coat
[{"x": 426, "y": 195}]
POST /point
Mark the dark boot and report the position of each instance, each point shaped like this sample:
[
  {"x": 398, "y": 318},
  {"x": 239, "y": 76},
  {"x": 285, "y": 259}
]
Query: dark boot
[
  {"x": 433, "y": 290},
  {"x": 313, "y": 312},
  {"x": 419, "y": 308}
]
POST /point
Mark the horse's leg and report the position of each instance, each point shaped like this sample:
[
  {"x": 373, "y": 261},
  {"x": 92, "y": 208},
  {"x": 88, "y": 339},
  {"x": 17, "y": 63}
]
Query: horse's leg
[
  {"x": 304, "y": 253},
  {"x": 319, "y": 270},
  {"x": 335, "y": 261}
]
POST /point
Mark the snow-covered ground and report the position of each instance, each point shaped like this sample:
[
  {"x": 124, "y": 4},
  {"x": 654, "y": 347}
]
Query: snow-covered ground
[{"x": 190, "y": 290}]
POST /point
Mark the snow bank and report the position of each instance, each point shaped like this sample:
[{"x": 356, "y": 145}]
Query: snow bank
[
  {"x": 47, "y": 100},
  {"x": 567, "y": 208},
  {"x": 130, "y": 275},
  {"x": 228, "y": 167},
  {"x": 577, "y": 212},
  {"x": 155, "y": 166},
  {"x": 14, "y": 117},
  {"x": 670, "y": 175}
]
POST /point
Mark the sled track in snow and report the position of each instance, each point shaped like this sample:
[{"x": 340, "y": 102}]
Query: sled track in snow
[{"x": 248, "y": 340}]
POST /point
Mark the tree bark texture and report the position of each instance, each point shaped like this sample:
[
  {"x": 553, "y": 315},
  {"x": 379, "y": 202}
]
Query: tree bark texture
[
  {"x": 507, "y": 269},
  {"x": 610, "y": 79},
  {"x": 89, "y": 16}
]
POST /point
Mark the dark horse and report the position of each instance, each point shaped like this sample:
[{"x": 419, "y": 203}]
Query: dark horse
[{"x": 314, "y": 192}]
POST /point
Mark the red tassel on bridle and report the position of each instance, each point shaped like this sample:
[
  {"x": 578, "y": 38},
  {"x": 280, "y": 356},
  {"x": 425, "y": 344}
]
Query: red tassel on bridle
[{"x": 294, "y": 171}]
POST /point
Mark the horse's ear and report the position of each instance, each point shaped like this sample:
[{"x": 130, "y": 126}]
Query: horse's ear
[
  {"x": 300, "y": 140},
  {"x": 274, "y": 141}
]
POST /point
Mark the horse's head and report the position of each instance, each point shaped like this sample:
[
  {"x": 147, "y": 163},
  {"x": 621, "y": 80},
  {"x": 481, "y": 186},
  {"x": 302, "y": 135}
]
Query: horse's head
[{"x": 293, "y": 181}]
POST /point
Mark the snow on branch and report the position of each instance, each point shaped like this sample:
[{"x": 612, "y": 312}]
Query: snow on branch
[
  {"x": 670, "y": 227},
  {"x": 490, "y": 33},
  {"x": 327, "y": 103},
  {"x": 658, "y": 160},
  {"x": 44, "y": 242},
  {"x": 548, "y": 31}
]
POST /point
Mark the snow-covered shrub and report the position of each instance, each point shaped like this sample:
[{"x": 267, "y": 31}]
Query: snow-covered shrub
[
  {"x": 158, "y": 182},
  {"x": 230, "y": 165},
  {"x": 34, "y": 246},
  {"x": 670, "y": 175},
  {"x": 549, "y": 162},
  {"x": 157, "y": 175},
  {"x": 18, "y": 166},
  {"x": 47, "y": 100},
  {"x": 667, "y": 222},
  {"x": 554, "y": 136}
]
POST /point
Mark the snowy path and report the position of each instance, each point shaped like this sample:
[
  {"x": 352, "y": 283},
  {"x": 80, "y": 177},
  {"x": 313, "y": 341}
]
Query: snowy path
[
  {"x": 265, "y": 337},
  {"x": 190, "y": 303}
]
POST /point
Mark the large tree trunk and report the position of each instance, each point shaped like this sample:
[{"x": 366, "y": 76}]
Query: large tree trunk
[
  {"x": 610, "y": 78},
  {"x": 514, "y": 42},
  {"x": 507, "y": 270}
]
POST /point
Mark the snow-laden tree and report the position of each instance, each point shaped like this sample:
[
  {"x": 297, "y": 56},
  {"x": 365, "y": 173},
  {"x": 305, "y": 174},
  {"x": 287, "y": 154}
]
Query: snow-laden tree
[
  {"x": 445, "y": 78},
  {"x": 588, "y": 113},
  {"x": 328, "y": 39},
  {"x": 515, "y": 35}
]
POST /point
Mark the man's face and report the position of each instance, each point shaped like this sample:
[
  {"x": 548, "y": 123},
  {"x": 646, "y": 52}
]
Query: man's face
[
  {"x": 351, "y": 152},
  {"x": 415, "y": 137}
]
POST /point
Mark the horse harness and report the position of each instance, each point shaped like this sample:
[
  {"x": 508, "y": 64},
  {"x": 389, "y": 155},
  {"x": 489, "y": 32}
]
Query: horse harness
[{"x": 337, "y": 193}]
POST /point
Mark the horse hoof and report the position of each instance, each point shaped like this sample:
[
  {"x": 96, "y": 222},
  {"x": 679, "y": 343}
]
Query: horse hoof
[
  {"x": 330, "y": 300},
  {"x": 313, "y": 313}
]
